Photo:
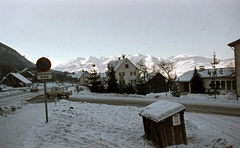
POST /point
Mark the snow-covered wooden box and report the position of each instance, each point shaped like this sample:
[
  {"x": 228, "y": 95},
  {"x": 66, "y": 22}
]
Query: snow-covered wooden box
[{"x": 164, "y": 123}]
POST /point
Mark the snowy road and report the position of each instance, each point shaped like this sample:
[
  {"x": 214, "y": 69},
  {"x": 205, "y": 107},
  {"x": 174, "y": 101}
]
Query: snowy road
[{"x": 192, "y": 106}]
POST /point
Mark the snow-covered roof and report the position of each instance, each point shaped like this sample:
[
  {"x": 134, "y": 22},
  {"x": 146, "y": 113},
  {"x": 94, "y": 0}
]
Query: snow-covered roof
[
  {"x": 116, "y": 64},
  {"x": 161, "y": 110},
  {"x": 221, "y": 72},
  {"x": 21, "y": 78},
  {"x": 77, "y": 75}
]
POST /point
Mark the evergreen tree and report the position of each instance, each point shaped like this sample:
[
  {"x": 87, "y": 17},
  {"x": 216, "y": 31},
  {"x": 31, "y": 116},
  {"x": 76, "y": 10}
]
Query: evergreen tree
[
  {"x": 175, "y": 90},
  {"x": 197, "y": 83},
  {"x": 112, "y": 81},
  {"x": 130, "y": 89},
  {"x": 142, "y": 88},
  {"x": 95, "y": 84},
  {"x": 121, "y": 85}
]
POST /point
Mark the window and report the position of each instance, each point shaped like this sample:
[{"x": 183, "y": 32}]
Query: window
[
  {"x": 223, "y": 85},
  {"x": 234, "y": 85},
  {"x": 131, "y": 73},
  {"x": 228, "y": 85},
  {"x": 218, "y": 84},
  {"x": 212, "y": 84},
  {"x": 126, "y": 66},
  {"x": 121, "y": 73},
  {"x": 134, "y": 73}
]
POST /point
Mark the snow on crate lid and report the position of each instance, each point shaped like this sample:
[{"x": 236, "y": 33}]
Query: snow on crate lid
[{"x": 161, "y": 110}]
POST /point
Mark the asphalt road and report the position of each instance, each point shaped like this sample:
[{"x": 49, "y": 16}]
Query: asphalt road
[
  {"x": 207, "y": 108},
  {"x": 15, "y": 98}
]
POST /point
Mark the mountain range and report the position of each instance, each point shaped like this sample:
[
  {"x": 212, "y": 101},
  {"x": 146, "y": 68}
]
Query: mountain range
[
  {"x": 10, "y": 60},
  {"x": 183, "y": 63}
]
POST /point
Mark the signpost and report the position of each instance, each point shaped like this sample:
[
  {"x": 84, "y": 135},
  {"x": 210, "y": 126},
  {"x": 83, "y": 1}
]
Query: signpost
[
  {"x": 43, "y": 65},
  {"x": 44, "y": 75}
]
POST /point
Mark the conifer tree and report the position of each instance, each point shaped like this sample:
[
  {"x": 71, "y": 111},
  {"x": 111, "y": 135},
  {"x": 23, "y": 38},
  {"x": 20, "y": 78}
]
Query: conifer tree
[
  {"x": 175, "y": 90},
  {"x": 95, "y": 84},
  {"x": 121, "y": 85},
  {"x": 130, "y": 89},
  {"x": 197, "y": 83},
  {"x": 142, "y": 87},
  {"x": 112, "y": 81}
]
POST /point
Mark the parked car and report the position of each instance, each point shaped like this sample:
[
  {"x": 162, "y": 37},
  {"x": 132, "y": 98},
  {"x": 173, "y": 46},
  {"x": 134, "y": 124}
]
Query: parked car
[
  {"x": 59, "y": 92},
  {"x": 34, "y": 89}
]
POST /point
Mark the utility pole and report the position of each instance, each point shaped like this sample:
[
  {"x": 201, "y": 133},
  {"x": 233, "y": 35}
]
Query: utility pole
[{"x": 214, "y": 74}]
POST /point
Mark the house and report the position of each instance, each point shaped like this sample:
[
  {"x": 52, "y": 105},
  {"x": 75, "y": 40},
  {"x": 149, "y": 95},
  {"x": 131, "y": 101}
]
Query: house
[
  {"x": 29, "y": 74},
  {"x": 164, "y": 123},
  {"x": 236, "y": 47},
  {"x": 157, "y": 83},
  {"x": 125, "y": 69},
  {"x": 82, "y": 77},
  {"x": 225, "y": 79},
  {"x": 15, "y": 80}
]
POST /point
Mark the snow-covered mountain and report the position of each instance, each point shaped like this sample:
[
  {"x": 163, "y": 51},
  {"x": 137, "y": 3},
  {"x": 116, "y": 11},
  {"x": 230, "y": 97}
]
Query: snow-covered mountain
[{"x": 182, "y": 63}]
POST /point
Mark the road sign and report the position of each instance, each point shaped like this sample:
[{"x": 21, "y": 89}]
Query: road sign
[
  {"x": 44, "y": 75},
  {"x": 43, "y": 64}
]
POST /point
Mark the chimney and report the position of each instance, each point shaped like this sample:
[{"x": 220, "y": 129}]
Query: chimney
[
  {"x": 201, "y": 68},
  {"x": 123, "y": 56}
]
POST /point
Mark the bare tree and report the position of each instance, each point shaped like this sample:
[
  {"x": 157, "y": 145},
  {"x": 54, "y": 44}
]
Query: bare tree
[
  {"x": 231, "y": 64},
  {"x": 167, "y": 69},
  {"x": 143, "y": 70}
]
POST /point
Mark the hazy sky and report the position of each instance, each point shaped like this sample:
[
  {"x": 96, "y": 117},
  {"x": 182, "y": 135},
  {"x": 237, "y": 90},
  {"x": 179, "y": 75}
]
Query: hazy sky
[{"x": 62, "y": 30}]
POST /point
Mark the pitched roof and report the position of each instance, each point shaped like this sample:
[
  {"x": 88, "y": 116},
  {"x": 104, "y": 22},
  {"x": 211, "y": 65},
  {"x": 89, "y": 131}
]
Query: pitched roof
[
  {"x": 234, "y": 43},
  {"x": 161, "y": 110},
  {"x": 116, "y": 64},
  {"x": 221, "y": 72},
  {"x": 79, "y": 74},
  {"x": 21, "y": 78}
]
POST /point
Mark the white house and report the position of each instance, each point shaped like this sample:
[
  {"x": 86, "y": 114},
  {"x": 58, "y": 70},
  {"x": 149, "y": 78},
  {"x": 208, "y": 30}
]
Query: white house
[
  {"x": 225, "y": 79},
  {"x": 82, "y": 77},
  {"x": 126, "y": 69}
]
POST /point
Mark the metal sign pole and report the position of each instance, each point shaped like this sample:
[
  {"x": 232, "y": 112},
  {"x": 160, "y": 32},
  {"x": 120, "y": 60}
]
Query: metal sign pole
[
  {"x": 43, "y": 65},
  {"x": 45, "y": 94}
]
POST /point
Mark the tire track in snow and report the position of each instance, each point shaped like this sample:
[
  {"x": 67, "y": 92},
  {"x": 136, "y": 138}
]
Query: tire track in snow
[{"x": 217, "y": 125}]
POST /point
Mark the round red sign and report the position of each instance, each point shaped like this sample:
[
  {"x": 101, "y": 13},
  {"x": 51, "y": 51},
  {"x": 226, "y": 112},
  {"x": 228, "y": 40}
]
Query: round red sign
[{"x": 43, "y": 64}]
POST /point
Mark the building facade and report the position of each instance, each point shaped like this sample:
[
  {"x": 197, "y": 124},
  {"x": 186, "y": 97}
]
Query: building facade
[
  {"x": 225, "y": 80},
  {"x": 236, "y": 48},
  {"x": 125, "y": 69}
]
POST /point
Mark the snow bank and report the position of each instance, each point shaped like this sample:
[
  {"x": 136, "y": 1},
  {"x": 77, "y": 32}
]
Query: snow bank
[
  {"x": 74, "y": 124},
  {"x": 6, "y": 110}
]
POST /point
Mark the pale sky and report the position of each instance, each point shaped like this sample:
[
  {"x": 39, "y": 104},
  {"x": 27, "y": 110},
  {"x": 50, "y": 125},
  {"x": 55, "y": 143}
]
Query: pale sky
[{"x": 62, "y": 30}]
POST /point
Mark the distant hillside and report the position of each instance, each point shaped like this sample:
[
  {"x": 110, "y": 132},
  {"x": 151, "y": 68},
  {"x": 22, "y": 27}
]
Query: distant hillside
[
  {"x": 10, "y": 60},
  {"x": 183, "y": 63}
]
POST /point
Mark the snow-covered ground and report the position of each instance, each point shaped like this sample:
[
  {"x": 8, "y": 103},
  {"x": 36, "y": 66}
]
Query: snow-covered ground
[{"x": 84, "y": 125}]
